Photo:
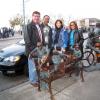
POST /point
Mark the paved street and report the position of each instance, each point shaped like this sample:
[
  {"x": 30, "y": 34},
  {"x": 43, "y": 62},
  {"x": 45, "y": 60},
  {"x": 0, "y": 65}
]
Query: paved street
[
  {"x": 11, "y": 40},
  {"x": 11, "y": 80}
]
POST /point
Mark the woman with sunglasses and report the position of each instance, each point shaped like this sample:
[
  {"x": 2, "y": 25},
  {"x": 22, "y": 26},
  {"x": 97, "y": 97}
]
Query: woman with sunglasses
[{"x": 75, "y": 36}]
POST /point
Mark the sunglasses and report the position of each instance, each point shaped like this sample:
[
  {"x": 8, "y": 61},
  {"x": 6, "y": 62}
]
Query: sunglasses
[{"x": 72, "y": 25}]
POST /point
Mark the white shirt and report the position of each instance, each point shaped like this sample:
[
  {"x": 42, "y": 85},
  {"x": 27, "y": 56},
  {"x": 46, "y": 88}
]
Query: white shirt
[{"x": 39, "y": 32}]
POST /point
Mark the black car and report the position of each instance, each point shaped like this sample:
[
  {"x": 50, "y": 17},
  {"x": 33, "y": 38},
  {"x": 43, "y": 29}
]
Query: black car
[{"x": 12, "y": 58}]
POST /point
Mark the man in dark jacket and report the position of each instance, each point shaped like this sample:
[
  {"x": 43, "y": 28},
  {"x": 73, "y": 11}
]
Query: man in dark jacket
[
  {"x": 33, "y": 33},
  {"x": 32, "y": 37},
  {"x": 47, "y": 31}
]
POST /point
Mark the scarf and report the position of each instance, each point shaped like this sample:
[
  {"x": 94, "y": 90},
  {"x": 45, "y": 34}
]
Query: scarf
[
  {"x": 72, "y": 38},
  {"x": 57, "y": 35}
]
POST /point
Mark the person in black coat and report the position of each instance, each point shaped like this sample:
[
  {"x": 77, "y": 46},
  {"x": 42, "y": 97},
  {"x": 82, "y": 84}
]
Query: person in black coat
[
  {"x": 75, "y": 36},
  {"x": 31, "y": 35},
  {"x": 47, "y": 31}
]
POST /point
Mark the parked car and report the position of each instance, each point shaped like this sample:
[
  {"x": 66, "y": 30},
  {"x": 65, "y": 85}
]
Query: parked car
[{"x": 12, "y": 58}]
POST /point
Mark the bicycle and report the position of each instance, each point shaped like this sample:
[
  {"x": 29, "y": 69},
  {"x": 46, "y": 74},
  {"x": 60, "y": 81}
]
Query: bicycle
[{"x": 89, "y": 57}]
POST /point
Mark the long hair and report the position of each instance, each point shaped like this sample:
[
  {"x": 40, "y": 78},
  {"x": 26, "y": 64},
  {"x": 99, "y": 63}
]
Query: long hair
[
  {"x": 76, "y": 27},
  {"x": 60, "y": 22}
]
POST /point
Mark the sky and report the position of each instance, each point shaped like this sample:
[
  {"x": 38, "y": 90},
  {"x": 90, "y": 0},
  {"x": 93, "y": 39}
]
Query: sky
[{"x": 68, "y": 9}]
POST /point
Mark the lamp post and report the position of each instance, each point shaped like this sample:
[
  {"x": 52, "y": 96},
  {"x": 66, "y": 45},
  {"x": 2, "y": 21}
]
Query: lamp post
[
  {"x": 24, "y": 16},
  {"x": 23, "y": 29},
  {"x": 24, "y": 11}
]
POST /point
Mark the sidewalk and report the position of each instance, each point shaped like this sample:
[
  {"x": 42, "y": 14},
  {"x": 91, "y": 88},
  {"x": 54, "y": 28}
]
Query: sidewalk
[{"x": 63, "y": 89}]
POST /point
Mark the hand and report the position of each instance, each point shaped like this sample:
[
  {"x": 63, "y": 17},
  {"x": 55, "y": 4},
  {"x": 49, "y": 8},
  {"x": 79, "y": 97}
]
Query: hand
[
  {"x": 74, "y": 58},
  {"x": 44, "y": 58},
  {"x": 54, "y": 50},
  {"x": 32, "y": 54},
  {"x": 63, "y": 49},
  {"x": 48, "y": 64},
  {"x": 29, "y": 56}
]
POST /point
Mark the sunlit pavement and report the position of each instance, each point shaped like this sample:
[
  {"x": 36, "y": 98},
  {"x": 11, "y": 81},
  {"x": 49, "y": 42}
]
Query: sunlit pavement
[
  {"x": 63, "y": 89},
  {"x": 11, "y": 80}
]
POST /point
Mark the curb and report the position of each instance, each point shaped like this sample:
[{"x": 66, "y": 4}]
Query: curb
[{"x": 11, "y": 38}]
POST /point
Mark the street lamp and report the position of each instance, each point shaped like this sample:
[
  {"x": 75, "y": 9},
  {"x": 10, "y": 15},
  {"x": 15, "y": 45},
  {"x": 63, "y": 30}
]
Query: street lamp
[
  {"x": 24, "y": 17},
  {"x": 24, "y": 11}
]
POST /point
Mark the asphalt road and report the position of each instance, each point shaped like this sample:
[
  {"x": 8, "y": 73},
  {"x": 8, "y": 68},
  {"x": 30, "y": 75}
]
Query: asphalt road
[{"x": 12, "y": 79}]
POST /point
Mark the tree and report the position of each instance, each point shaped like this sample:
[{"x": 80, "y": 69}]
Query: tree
[{"x": 17, "y": 20}]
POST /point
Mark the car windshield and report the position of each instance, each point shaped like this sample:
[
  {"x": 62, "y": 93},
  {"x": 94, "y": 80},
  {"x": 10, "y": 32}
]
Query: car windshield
[{"x": 22, "y": 42}]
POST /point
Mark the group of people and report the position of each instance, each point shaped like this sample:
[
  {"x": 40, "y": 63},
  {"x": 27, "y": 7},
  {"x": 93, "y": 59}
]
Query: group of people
[
  {"x": 38, "y": 35},
  {"x": 6, "y": 32}
]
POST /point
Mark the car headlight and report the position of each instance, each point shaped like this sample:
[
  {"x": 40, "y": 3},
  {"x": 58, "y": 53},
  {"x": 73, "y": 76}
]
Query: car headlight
[{"x": 12, "y": 59}]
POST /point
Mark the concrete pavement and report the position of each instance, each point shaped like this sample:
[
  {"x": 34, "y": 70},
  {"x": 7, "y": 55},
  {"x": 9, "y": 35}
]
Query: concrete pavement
[{"x": 64, "y": 89}]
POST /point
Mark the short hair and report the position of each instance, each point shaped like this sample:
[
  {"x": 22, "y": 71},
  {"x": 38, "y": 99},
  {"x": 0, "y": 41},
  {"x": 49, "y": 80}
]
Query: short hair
[
  {"x": 35, "y": 12},
  {"x": 45, "y": 16}
]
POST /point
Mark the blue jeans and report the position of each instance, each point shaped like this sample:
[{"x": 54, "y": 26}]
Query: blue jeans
[{"x": 33, "y": 78}]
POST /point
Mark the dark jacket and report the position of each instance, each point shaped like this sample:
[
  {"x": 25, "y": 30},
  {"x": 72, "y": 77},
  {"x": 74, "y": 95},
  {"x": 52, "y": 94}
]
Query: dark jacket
[
  {"x": 62, "y": 41},
  {"x": 50, "y": 41},
  {"x": 31, "y": 37},
  {"x": 78, "y": 37}
]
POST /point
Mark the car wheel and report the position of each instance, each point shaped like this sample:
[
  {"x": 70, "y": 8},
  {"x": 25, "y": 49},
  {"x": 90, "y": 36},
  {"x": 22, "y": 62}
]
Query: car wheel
[{"x": 4, "y": 73}]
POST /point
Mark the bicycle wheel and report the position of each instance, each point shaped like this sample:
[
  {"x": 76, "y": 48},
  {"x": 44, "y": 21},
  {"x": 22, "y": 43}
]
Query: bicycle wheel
[{"x": 88, "y": 58}]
